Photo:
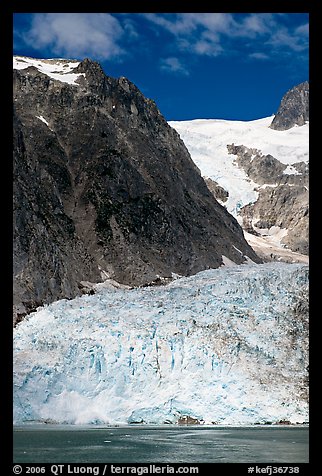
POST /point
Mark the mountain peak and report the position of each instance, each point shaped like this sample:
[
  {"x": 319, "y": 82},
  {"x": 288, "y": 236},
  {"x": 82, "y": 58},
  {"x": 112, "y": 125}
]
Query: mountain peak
[
  {"x": 102, "y": 182},
  {"x": 55, "y": 68},
  {"x": 293, "y": 109},
  {"x": 88, "y": 65}
]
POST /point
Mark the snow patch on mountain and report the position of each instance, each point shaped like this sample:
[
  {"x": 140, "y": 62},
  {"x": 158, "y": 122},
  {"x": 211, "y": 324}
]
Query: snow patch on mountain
[
  {"x": 207, "y": 140},
  {"x": 225, "y": 346},
  {"x": 291, "y": 170},
  {"x": 58, "y": 69}
]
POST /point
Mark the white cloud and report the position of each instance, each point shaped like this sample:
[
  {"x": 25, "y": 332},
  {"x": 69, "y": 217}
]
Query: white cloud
[
  {"x": 258, "y": 56},
  {"x": 208, "y": 48},
  {"x": 173, "y": 65},
  {"x": 213, "y": 22},
  {"x": 302, "y": 30},
  {"x": 76, "y": 34},
  {"x": 257, "y": 24},
  {"x": 213, "y": 34},
  {"x": 176, "y": 23},
  {"x": 187, "y": 24},
  {"x": 289, "y": 40}
]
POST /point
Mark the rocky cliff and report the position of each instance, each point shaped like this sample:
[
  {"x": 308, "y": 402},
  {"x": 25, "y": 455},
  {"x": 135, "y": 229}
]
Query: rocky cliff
[
  {"x": 294, "y": 108},
  {"x": 283, "y": 197},
  {"x": 104, "y": 187}
]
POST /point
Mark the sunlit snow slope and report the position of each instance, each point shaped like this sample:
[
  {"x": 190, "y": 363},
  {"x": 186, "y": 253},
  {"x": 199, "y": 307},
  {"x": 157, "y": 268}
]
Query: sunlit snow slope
[
  {"x": 58, "y": 69},
  {"x": 224, "y": 346},
  {"x": 207, "y": 140}
]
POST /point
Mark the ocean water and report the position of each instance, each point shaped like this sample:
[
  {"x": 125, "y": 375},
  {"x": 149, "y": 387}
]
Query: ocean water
[{"x": 160, "y": 444}]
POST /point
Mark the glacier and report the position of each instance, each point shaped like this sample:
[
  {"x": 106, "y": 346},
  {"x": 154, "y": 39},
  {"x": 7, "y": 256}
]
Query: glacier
[
  {"x": 225, "y": 346},
  {"x": 207, "y": 140}
]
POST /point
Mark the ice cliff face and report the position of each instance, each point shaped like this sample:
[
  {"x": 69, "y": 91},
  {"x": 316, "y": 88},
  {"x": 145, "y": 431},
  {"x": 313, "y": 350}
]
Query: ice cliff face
[{"x": 224, "y": 346}]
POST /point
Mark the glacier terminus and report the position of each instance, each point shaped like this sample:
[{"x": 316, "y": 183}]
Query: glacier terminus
[{"x": 225, "y": 346}]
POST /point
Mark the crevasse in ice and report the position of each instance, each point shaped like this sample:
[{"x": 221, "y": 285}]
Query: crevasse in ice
[{"x": 226, "y": 346}]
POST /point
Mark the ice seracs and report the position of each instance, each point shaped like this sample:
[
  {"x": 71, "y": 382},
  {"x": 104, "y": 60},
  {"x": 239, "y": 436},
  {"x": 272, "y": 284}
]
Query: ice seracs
[{"x": 226, "y": 346}]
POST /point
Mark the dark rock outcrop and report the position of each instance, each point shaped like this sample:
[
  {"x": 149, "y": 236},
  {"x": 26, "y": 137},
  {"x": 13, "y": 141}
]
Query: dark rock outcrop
[
  {"x": 284, "y": 199},
  {"x": 286, "y": 207},
  {"x": 105, "y": 188},
  {"x": 266, "y": 169},
  {"x": 294, "y": 108},
  {"x": 217, "y": 190}
]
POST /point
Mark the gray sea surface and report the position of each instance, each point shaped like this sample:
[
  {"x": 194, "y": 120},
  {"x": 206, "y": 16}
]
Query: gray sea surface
[{"x": 160, "y": 444}]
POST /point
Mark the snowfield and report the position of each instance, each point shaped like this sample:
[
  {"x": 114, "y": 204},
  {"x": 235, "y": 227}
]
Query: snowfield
[
  {"x": 207, "y": 140},
  {"x": 58, "y": 69},
  {"x": 226, "y": 346}
]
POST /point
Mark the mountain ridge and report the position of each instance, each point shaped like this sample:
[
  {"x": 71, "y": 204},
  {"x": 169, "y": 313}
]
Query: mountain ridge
[
  {"x": 104, "y": 187},
  {"x": 294, "y": 108}
]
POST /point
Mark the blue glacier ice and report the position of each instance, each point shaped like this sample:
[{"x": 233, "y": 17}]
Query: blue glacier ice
[{"x": 226, "y": 346}]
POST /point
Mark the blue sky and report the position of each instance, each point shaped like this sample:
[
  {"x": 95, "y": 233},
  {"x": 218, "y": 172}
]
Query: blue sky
[{"x": 194, "y": 65}]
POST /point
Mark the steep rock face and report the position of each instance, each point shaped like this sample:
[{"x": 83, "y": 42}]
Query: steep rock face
[
  {"x": 104, "y": 187},
  {"x": 283, "y": 197},
  {"x": 294, "y": 108},
  {"x": 285, "y": 207}
]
